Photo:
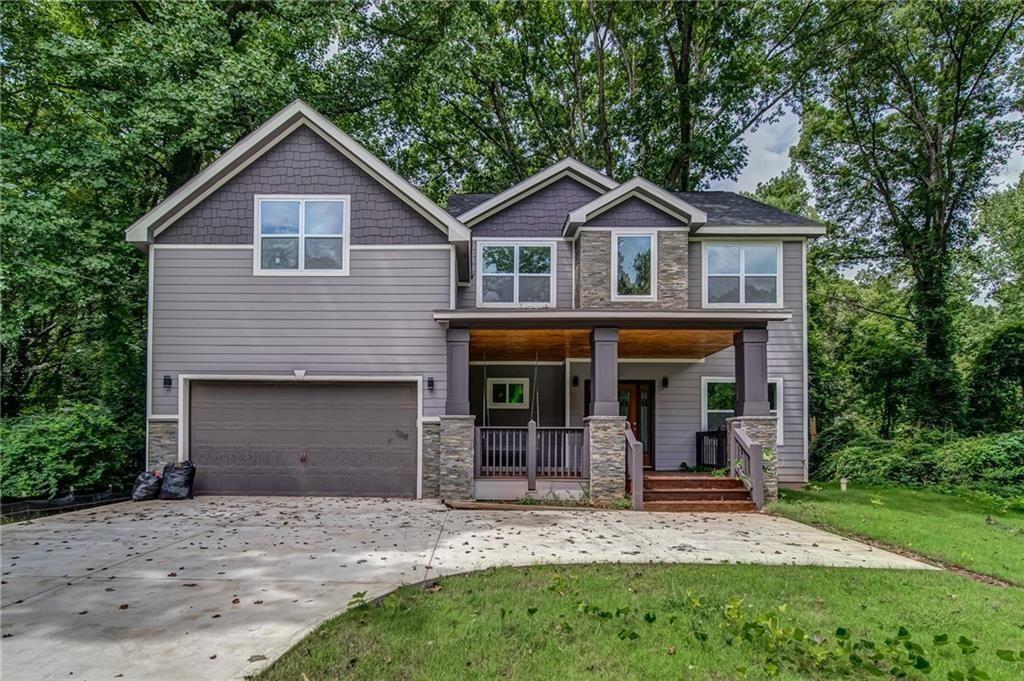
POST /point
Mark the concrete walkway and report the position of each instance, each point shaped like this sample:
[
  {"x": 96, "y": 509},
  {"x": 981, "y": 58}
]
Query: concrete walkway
[{"x": 217, "y": 587}]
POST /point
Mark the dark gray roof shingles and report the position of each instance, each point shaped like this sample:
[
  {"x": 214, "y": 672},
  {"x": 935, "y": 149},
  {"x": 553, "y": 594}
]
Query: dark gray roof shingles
[{"x": 723, "y": 208}]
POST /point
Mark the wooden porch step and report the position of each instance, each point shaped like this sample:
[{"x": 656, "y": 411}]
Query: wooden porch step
[
  {"x": 696, "y": 494},
  {"x": 724, "y": 506},
  {"x": 669, "y": 481}
]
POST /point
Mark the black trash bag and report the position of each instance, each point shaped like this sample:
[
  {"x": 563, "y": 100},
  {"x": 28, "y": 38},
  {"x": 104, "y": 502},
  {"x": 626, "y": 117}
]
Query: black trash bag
[
  {"x": 178, "y": 479},
  {"x": 147, "y": 486}
]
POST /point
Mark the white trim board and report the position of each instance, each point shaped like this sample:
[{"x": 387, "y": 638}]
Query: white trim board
[
  {"x": 183, "y": 401},
  {"x": 638, "y": 188}
]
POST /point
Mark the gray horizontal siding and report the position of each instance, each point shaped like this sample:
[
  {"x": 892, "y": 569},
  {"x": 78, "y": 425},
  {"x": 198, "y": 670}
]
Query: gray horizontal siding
[
  {"x": 785, "y": 356},
  {"x": 302, "y": 163},
  {"x": 542, "y": 213},
  {"x": 212, "y": 315},
  {"x": 547, "y": 388},
  {"x": 466, "y": 296}
]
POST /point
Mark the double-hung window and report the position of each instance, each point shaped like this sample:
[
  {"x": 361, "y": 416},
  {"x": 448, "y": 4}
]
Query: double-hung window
[
  {"x": 516, "y": 274},
  {"x": 719, "y": 401},
  {"x": 634, "y": 266},
  {"x": 302, "y": 235},
  {"x": 742, "y": 274}
]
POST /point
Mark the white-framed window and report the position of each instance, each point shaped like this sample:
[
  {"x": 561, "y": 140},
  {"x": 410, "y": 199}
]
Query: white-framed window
[
  {"x": 718, "y": 401},
  {"x": 302, "y": 235},
  {"x": 747, "y": 274},
  {"x": 516, "y": 274},
  {"x": 508, "y": 393},
  {"x": 634, "y": 265}
]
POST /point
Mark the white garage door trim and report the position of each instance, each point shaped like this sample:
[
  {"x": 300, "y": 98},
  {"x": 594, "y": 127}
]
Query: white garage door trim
[{"x": 183, "y": 397}]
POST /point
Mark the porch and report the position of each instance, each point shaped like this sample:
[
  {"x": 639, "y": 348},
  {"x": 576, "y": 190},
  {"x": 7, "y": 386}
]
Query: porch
[{"x": 569, "y": 408}]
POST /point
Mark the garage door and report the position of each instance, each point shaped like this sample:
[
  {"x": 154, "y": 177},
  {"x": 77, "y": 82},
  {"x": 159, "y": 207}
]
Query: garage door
[{"x": 323, "y": 439}]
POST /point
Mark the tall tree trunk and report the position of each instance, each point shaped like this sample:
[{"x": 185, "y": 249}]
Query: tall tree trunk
[
  {"x": 602, "y": 108},
  {"x": 938, "y": 382},
  {"x": 685, "y": 17}
]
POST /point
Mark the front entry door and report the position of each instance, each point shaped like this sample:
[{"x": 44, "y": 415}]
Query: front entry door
[{"x": 636, "y": 404}]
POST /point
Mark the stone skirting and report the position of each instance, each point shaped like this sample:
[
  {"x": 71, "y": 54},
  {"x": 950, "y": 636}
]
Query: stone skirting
[
  {"x": 763, "y": 431},
  {"x": 163, "y": 444},
  {"x": 456, "y": 467},
  {"x": 594, "y": 275},
  {"x": 607, "y": 457},
  {"x": 431, "y": 459}
]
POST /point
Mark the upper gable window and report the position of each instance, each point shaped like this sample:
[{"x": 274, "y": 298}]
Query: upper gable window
[
  {"x": 510, "y": 274},
  {"x": 742, "y": 274},
  {"x": 634, "y": 263},
  {"x": 302, "y": 235}
]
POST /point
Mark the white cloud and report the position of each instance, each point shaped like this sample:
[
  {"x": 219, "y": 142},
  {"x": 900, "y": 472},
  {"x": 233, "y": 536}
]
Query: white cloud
[{"x": 768, "y": 153}]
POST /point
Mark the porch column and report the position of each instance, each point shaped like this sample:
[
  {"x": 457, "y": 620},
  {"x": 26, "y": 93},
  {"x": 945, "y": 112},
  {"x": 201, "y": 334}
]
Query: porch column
[
  {"x": 604, "y": 372},
  {"x": 751, "y": 346},
  {"x": 457, "y": 402},
  {"x": 605, "y": 428},
  {"x": 456, "y": 437}
]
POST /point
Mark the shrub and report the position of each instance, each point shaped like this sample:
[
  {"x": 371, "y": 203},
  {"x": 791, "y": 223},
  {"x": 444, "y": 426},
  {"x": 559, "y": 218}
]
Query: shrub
[
  {"x": 79, "y": 445},
  {"x": 993, "y": 463},
  {"x": 843, "y": 433}
]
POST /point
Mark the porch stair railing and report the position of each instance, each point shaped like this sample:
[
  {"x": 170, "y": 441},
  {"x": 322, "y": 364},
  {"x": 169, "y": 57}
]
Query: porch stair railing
[
  {"x": 748, "y": 465},
  {"x": 531, "y": 452},
  {"x": 635, "y": 468}
]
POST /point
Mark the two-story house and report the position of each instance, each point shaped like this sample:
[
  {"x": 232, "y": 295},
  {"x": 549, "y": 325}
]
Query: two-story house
[{"x": 318, "y": 326}]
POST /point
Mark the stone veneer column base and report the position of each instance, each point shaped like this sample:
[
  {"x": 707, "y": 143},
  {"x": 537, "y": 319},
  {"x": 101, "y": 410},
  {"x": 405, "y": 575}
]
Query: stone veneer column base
[
  {"x": 607, "y": 457},
  {"x": 163, "y": 444},
  {"x": 431, "y": 459},
  {"x": 763, "y": 431},
  {"x": 456, "y": 469}
]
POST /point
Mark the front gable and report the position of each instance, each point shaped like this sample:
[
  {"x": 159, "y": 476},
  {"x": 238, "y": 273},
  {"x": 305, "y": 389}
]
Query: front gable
[
  {"x": 637, "y": 213},
  {"x": 301, "y": 163},
  {"x": 540, "y": 214}
]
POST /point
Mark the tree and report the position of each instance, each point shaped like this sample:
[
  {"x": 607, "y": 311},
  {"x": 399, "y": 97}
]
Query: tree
[
  {"x": 997, "y": 384},
  {"x": 1000, "y": 219},
  {"x": 901, "y": 132},
  {"x": 107, "y": 108}
]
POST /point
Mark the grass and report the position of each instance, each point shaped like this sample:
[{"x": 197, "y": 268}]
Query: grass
[
  {"x": 955, "y": 530},
  {"x": 640, "y": 622}
]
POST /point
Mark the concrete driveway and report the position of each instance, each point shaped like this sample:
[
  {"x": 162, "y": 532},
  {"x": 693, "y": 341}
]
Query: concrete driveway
[{"x": 217, "y": 587}]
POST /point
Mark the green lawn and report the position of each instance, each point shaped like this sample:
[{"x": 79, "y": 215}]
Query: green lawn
[
  {"x": 633, "y": 622},
  {"x": 956, "y": 530}
]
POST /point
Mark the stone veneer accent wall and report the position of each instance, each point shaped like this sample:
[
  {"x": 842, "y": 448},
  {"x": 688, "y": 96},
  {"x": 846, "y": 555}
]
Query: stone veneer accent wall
[
  {"x": 431, "y": 460},
  {"x": 456, "y": 461},
  {"x": 762, "y": 430},
  {"x": 607, "y": 457},
  {"x": 163, "y": 443},
  {"x": 594, "y": 274}
]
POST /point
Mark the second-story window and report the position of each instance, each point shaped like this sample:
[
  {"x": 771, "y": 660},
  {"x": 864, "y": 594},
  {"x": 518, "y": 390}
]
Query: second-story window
[
  {"x": 634, "y": 258},
  {"x": 516, "y": 274},
  {"x": 742, "y": 274},
  {"x": 302, "y": 235}
]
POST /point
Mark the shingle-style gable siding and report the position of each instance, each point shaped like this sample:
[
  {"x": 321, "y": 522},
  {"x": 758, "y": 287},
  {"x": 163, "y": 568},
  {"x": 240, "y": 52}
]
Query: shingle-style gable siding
[
  {"x": 540, "y": 214},
  {"x": 634, "y": 212},
  {"x": 302, "y": 163}
]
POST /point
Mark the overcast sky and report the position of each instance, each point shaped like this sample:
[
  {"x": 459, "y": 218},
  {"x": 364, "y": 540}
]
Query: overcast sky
[{"x": 769, "y": 156}]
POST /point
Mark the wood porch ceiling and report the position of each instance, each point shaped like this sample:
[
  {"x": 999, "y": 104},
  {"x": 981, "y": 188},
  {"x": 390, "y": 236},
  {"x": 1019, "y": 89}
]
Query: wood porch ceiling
[{"x": 556, "y": 344}]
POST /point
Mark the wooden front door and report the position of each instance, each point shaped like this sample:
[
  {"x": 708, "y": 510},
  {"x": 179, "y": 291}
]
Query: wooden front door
[{"x": 636, "y": 403}]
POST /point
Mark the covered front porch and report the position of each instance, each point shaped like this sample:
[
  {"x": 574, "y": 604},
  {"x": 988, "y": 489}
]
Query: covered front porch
[{"x": 576, "y": 403}]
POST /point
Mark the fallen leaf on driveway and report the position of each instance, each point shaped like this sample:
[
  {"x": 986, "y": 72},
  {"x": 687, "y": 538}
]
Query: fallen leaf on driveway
[
  {"x": 123, "y": 606},
  {"x": 257, "y": 658}
]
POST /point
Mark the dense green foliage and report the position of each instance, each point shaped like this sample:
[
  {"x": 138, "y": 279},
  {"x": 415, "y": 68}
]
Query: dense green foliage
[
  {"x": 108, "y": 107},
  {"x": 989, "y": 463},
  {"x": 673, "y": 622},
  {"x": 77, "y": 445}
]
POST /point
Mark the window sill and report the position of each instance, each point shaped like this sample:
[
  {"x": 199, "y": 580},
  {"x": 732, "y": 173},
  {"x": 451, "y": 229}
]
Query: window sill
[{"x": 301, "y": 273}]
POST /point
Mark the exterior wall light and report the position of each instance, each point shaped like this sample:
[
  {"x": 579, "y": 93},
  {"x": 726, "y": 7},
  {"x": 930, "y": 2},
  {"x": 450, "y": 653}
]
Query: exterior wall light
[
  {"x": 167, "y": 381},
  {"x": 664, "y": 382},
  {"x": 430, "y": 382}
]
